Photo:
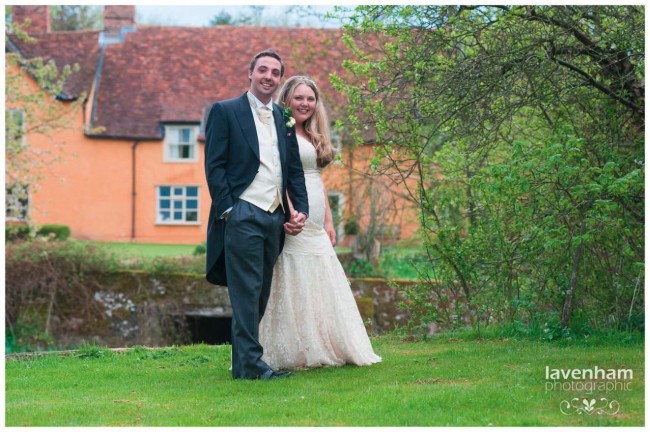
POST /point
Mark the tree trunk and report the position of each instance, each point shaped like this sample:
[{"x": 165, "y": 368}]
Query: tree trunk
[{"x": 568, "y": 298}]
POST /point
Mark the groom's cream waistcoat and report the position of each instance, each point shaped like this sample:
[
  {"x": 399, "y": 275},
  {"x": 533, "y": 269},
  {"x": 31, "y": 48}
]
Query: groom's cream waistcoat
[{"x": 265, "y": 190}]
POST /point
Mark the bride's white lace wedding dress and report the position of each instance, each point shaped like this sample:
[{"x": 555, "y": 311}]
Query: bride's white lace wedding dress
[{"x": 311, "y": 319}]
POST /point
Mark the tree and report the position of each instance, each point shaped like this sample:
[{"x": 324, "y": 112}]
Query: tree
[
  {"x": 80, "y": 17},
  {"x": 254, "y": 17},
  {"x": 223, "y": 18},
  {"x": 32, "y": 112},
  {"x": 523, "y": 126}
]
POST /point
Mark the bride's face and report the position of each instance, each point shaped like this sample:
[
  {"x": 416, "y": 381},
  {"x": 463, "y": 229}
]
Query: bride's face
[{"x": 302, "y": 103}]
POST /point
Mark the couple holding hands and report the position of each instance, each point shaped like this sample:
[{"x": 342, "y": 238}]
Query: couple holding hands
[{"x": 291, "y": 301}]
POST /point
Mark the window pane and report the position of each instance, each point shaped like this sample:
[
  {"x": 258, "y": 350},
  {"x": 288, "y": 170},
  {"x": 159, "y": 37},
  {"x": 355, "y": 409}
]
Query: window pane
[
  {"x": 16, "y": 202},
  {"x": 164, "y": 204},
  {"x": 192, "y": 204},
  {"x": 192, "y": 191},
  {"x": 178, "y": 191},
  {"x": 178, "y": 216},
  {"x": 192, "y": 216},
  {"x": 185, "y": 152},
  {"x": 185, "y": 135},
  {"x": 164, "y": 191},
  {"x": 178, "y": 205},
  {"x": 164, "y": 215}
]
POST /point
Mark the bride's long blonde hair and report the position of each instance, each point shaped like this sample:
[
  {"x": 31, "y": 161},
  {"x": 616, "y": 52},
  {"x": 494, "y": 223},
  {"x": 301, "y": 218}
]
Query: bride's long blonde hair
[{"x": 317, "y": 126}]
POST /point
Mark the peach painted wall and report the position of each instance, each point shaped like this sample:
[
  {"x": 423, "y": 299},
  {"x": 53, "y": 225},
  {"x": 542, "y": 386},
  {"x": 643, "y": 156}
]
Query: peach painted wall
[{"x": 91, "y": 191}]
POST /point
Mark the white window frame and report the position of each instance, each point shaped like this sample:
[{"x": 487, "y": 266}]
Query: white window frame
[
  {"x": 340, "y": 213},
  {"x": 172, "y": 141},
  {"x": 175, "y": 196},
  {"x": 16, "y": 208}
]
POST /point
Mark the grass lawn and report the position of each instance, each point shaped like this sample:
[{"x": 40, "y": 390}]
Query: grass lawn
[
  {"x": 144, "y": 250},
  {"x": 151, "y": 250},
  {"x": 444, "y": 382}
]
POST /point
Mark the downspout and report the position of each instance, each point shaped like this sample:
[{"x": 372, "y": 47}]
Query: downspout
[{"x": 133, "y": 194}]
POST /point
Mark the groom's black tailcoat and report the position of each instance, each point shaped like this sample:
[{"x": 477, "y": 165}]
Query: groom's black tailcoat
[{"x": 232, "y": 160}]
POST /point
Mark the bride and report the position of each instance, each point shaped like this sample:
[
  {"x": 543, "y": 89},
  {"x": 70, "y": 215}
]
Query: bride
[{"x": 311, "y": 319}]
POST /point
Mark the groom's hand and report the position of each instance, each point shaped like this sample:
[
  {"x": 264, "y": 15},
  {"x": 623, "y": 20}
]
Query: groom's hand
[{"x": 296, "y": 223}]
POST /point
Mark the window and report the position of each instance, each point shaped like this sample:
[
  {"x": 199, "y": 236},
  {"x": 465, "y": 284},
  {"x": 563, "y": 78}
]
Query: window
[
  {"x": 15, "y": 128},
  {"x": 178, "y": 205},
  {"x": 181, "y": 144},
  {"x": 337, "y": 200},
  {"x": 17, "y": 202}
]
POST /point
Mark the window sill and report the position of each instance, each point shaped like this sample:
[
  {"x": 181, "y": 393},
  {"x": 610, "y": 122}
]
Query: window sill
[{"x": 186, "y": 161}]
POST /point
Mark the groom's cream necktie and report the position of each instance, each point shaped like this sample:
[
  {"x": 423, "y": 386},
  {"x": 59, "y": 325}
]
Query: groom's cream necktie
[{"x": 264, "y": 114}]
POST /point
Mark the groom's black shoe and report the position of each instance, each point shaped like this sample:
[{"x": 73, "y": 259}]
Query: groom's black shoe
[{"x": 276, "y": 375}]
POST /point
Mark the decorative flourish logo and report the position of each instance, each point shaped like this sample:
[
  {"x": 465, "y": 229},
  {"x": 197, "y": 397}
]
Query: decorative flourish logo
[{"x": 590, "y": 406}]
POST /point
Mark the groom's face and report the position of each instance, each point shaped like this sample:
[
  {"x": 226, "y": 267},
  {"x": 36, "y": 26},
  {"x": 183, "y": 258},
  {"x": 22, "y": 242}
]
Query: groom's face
[{"x": 265, "y": 78}]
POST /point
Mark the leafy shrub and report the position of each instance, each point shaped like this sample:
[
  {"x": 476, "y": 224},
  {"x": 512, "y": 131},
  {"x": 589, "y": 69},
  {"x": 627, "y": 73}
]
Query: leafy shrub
[
  {"x": 402, "y": 263},
  {"x": 59, "y": 232},
  {"x": 92, "y": 351},
  {"x": 16, "y": 232},
  {"x": 361, "y": 268},
  {"x": 351, "y": 227},
  {"x": 200, "y": 249}
]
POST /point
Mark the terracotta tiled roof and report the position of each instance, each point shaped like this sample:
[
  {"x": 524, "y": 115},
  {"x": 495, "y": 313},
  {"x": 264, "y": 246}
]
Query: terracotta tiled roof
[
  {"x": 171, "y": 74},
  {"x": 66, "y": 48}
]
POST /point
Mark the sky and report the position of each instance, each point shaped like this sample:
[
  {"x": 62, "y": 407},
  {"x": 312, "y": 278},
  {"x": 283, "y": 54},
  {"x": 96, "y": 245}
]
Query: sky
[{"x": 200, "y": 15}]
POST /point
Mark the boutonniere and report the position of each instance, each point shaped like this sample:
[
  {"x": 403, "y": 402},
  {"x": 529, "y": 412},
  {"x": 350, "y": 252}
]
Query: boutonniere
[{"x": 287, "y": 116}]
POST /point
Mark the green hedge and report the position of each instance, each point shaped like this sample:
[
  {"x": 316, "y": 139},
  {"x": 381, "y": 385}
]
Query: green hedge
[
  {"x": 60, "y": 232},
  {"x": 16, "y": 232}
]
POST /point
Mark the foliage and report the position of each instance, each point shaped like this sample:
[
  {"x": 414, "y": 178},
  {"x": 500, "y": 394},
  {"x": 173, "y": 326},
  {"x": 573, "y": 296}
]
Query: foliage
[
  {"x": 361, "y": 268},
  {"x": 76, "y": 17},
  {"x": 496, "y": 382},
  {"x": 260, "y": 15},
  {"x": 58, "y": 232},
  {"x": 402, "y": 263},
  {"x": 351, "y": 227},
  {"x": 524, "y": 129},
  {"x": 254, "y": 17},
  {"x": 200, "y": 249},
  {"x": 17, "y": 232},
  {"x": 223, "y": 18}
]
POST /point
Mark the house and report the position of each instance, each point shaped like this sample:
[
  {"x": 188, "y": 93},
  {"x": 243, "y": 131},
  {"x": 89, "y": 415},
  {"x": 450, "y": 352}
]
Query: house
[{"x": 131, "y": 166}]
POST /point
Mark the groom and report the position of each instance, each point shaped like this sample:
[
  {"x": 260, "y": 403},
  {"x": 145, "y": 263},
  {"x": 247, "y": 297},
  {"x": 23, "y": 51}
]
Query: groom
[{"x": 251, "y": 160}]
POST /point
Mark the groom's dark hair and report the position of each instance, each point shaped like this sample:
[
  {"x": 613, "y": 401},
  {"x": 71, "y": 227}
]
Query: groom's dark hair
[{"x": 267, "y": 53}]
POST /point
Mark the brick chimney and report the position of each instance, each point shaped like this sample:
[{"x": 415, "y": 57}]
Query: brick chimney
[
  {"x": 116, "y": 17},
  {"x": 39, "y": 16}
]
